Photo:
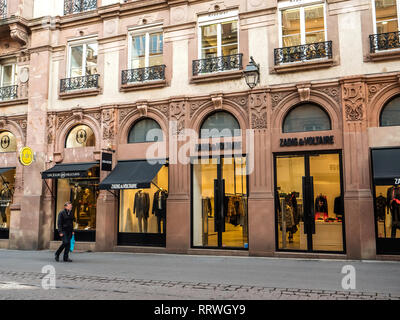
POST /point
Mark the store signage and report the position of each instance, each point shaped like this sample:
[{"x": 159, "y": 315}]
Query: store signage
[
  {"x": 218, "y": 146},
  {"x": 63, "y": 175},
  {"x": 26, "y": 156},
  {"x": 307, "y": 141},
  {"x": 106, "y": 161},
  {"x": 118, "y": 186},
  {"x": 396, "y": 181}
]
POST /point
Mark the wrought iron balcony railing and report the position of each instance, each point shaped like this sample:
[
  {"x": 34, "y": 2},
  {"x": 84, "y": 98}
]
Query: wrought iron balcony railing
[
  {"x": 223, "y": 63},
  {"x": 303, "y": 52},
  {"x": 384, "y": 41},
  {"x": 3, "y": 9},
  {"x": 143, "y": 74},
  {"x": 79, "y": 83},
  {"x": 75, "y": 6},
  {"x": 8, "y": 93}
]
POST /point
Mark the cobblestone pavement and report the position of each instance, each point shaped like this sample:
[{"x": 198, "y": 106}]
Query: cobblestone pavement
[{"x": 28, "y": 285}]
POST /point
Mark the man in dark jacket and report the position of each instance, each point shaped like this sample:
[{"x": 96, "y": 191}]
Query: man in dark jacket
[{"x": 65, "y": 229}]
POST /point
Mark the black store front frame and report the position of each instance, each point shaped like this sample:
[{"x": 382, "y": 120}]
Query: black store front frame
[
  {"x": 82, "y": 180},
  {"x": 141, "y": 187},
  {"x": 385, "y": 163},
  {"x": 317, "y": 224}
]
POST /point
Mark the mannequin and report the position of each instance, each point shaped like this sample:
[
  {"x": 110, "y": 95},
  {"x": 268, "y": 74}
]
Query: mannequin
[
  {"x": 141, "y": 207},
  {"x": 160, "y": 207},
  {"x": 393, "y": 202},
  {"x": 76, "y": 196},
  {"x": 5, "y": 199}
]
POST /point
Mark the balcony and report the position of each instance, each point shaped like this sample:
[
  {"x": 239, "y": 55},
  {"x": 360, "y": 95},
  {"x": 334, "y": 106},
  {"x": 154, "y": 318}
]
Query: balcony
[
  {"x": 143, "y": 78},
  {"x": 217, "y": 64},
  {"x": 384, "y": 41},
  {"x": 76, "y": 6},
  {"x": 8, "y": 93},
  {"x": 3, "y": 9},
  {"x": 79, "y": 86}
]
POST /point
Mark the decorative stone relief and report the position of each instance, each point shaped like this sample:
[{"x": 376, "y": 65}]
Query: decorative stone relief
[
  {"x": 217, "y": 101},
  {"x": 354, "y": 99},
  {"x": 196, "y": 105},
  {"x": 19, "y": 34},
  {"x": 123, "y": 113},
  {"x": 374, "y": 89},
  {"x": 163, "y": 108},
  {"x": 258, "y": 109},
  {"x": 241, "y": 101},
  {"x": 61, "y": 119},
  {"x": 142, "y": 108},
  {"x": 304, "y": 92},
  {"x": 333, "y": 92},
  {"x": 277, "y": 97},
  {"x": 23, "y": 125},
  {"x": 108, "y": 124},
  {"x": 51, "y": 120},
  {"x": 177, "y": 113}
]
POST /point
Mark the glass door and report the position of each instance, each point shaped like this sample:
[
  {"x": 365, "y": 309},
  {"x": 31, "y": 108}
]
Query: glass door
[
  {"x": 309, "y": 202},
  {"x": 219, "y": 203}
]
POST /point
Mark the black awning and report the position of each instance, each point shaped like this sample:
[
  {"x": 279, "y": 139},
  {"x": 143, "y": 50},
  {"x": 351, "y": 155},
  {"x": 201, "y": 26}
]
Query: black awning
[
  {"x": 131, "y": 175},
  {"x": 386, "y": 166},
  {"x": 71, "y": 170},
  {"x": 4, "y": 170}
]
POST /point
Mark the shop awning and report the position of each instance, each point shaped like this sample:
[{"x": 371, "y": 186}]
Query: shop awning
[
  {"x": 386, "y": 166},
  {"x": 131, "y": 175},
  {"x": 4, "y": 170},
  {"x": 72, "y": 170}
]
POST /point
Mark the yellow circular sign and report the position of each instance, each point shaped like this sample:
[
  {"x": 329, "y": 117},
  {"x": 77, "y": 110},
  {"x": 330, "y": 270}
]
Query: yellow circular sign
[{"x": 26, "y": 156}]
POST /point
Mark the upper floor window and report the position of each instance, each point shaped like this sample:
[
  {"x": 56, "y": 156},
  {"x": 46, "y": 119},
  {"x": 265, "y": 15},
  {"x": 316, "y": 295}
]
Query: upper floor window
[
  {"x": 145, "y": 130},
  {"x": 82, "y": 59},
  {"x": 386, "y": 14},
  {"x": 75, "y": 6},
  {"x": 3, "y": 9},
  {"x": 80, "y": 136},
  {"x": 390, "y": 115},
  {"x": 218, "y": 35},
  {"x": 306, "y": 117},
  {"x": 8, "y": 75},
  {"x": 303, "y": 24},
  {"x": 146, "y": 49}
]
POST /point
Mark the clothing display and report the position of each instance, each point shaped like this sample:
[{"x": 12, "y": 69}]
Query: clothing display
[
  {"x": 381, "y": 202},
  {"x": 338, "y": 207},
  {"x": 206, "y": 207},
  {"x": 160, "y": 207},
  {"x": 141, "y": 207},
  {"x": 393, "y": 203},
  {"x": 234, "y": 209},
  {"x": 321, "y": 207},
  {"x": 289, "y": 214},
  {"x": 5, "y": 200}
]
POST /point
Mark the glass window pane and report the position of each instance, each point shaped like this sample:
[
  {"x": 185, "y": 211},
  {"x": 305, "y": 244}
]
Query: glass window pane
[
  {"x": 229, "y": 33},
  {"x": 220, "y": 124},
  {"x": 229, "y": 50},
  {"x": 138, "y": 51},
  {"x": 146, "y": 130},
  {"x": 387, "y": 212},
  {"x": 7, "y": 76},
  {"x": 314, "y": 20},
  {"x": 209, "y": 40},
  {"x": 76, "y": 61},
  {"x": 386, "y": 15},
  {"x": 391, "y": 113},
  {"x": 156, "y": 49},
  {"x": 80, "y": 136},
  {"x": 291, "y": 27},
  {"x": 306, "y": 117},
  {"x": 91, "y": 59}
]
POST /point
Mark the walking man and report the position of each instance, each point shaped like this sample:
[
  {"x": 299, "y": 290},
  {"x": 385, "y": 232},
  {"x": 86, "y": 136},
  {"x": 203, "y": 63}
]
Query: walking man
[{"x": 65, "y": 229}]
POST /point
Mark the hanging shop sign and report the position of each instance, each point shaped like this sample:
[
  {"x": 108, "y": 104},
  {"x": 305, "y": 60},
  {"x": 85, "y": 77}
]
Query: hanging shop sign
[
  {"x": 26, "y": 156},
  {"x": 218, "y": 146},
  {"x": 307, "y": 141},
  {"x": 106, "y": 161}
]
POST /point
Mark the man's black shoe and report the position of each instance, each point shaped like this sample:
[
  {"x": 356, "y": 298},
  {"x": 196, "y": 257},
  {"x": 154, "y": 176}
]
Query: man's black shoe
[
  {"x": 68, "y": 260},
  {"x": 57, "y": 258}
]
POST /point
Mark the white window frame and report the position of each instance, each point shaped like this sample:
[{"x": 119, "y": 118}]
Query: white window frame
[
  {"x": 80, "y": 42},
  {"x": 13, "y": 77},
  {"x": 302, "y": 4},
  {"x": 140, "y": 31},
  {"x": 218, "y": 19},
  {"x": 374, "y": 15}
]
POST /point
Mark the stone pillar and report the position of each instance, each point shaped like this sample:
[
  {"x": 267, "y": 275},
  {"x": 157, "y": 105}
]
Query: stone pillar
[
  {"x": 358, "y": 202},
  {"x": 261, "y": 200}
]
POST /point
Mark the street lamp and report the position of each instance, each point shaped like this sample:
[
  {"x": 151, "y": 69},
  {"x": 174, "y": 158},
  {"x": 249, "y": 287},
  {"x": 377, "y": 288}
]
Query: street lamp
[{"x": 252, "y": 73}]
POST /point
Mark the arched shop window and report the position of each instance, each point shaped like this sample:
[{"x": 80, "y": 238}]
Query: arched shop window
[
  {"x": 8, "y": 142},
  {"x": 145, "y": 130},
  {"x": 306, "y": 117},
  {"x": 390, "y": 115},
  {"x": 80, "y": 136},
  {"x": 220, "y": 124}
]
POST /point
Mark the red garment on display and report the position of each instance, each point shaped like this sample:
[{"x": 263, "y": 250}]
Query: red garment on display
[{"x": 322, "y": 215}]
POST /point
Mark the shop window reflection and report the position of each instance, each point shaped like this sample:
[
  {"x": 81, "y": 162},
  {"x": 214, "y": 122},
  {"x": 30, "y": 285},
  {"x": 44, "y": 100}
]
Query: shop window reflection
[
  {"x": 387, "y": 204},
  {"x": 80, "y": 136}
]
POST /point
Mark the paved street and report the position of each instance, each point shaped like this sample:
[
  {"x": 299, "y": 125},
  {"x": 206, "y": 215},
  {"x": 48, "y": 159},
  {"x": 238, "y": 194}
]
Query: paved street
[{"x": 159, "y": 276}]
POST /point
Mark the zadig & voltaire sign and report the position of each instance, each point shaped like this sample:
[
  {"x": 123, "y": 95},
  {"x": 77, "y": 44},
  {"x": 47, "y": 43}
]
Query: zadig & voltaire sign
[{"x": 307, "y": 141}]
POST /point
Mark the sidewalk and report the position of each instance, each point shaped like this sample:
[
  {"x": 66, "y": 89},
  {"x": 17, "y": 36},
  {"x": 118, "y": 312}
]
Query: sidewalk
[{"x": 159, "y": 276}]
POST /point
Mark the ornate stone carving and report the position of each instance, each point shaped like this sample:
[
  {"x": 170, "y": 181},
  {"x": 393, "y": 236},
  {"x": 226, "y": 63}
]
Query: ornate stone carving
[
  {"x": 277, "y": 97},
  {"x": 217, "y": 101},
  {"x": 177, "y": 113},
  {"x": 51, "y": 119},
  {"x": 333, "y": 92},
  {"x": 374, "y": 89},
  {"x": 196, "y": 105},
  {"x": 354, "y": 100},
  {"x": 19, "y": 34},
  {"x": 258, "y": 109},
  {"x": 163, "y": 108},
  {"x": 241, "y": 101},
  {"x": 123, "y": 113},
  {"x": 142, "y": 108},
  {"x": 108, "y": 123},
  {"x": 23, "y": 125},
  {"x": 78, "y": 114},
  {"x": 61, "y": 119}
]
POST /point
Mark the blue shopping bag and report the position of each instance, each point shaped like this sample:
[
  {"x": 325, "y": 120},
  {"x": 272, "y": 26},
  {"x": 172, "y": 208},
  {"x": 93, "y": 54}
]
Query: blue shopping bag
[{"x": 72, "y": 245}]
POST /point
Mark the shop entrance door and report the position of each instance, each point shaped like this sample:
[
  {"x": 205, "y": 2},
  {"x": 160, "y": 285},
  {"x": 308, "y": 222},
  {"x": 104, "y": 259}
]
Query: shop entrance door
[
  {"x": 219, "y": 203},
  {"x": 309, "y": 202}
]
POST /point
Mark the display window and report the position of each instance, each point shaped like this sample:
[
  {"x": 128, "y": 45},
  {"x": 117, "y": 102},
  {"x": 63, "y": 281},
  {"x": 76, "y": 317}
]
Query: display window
[
  {"x": 145, "y": 210},
  {"x": 219, "y": 203},
  {"x": 309, "y": 202},
  {"x": 83, "y": 193},
  {"x": 7, "y": 187}
]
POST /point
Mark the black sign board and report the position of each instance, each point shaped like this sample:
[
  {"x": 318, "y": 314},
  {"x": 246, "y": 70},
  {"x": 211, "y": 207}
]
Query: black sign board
[
  {"x": 307, "y": 141},
  {"x": 106, "y": 161}
]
